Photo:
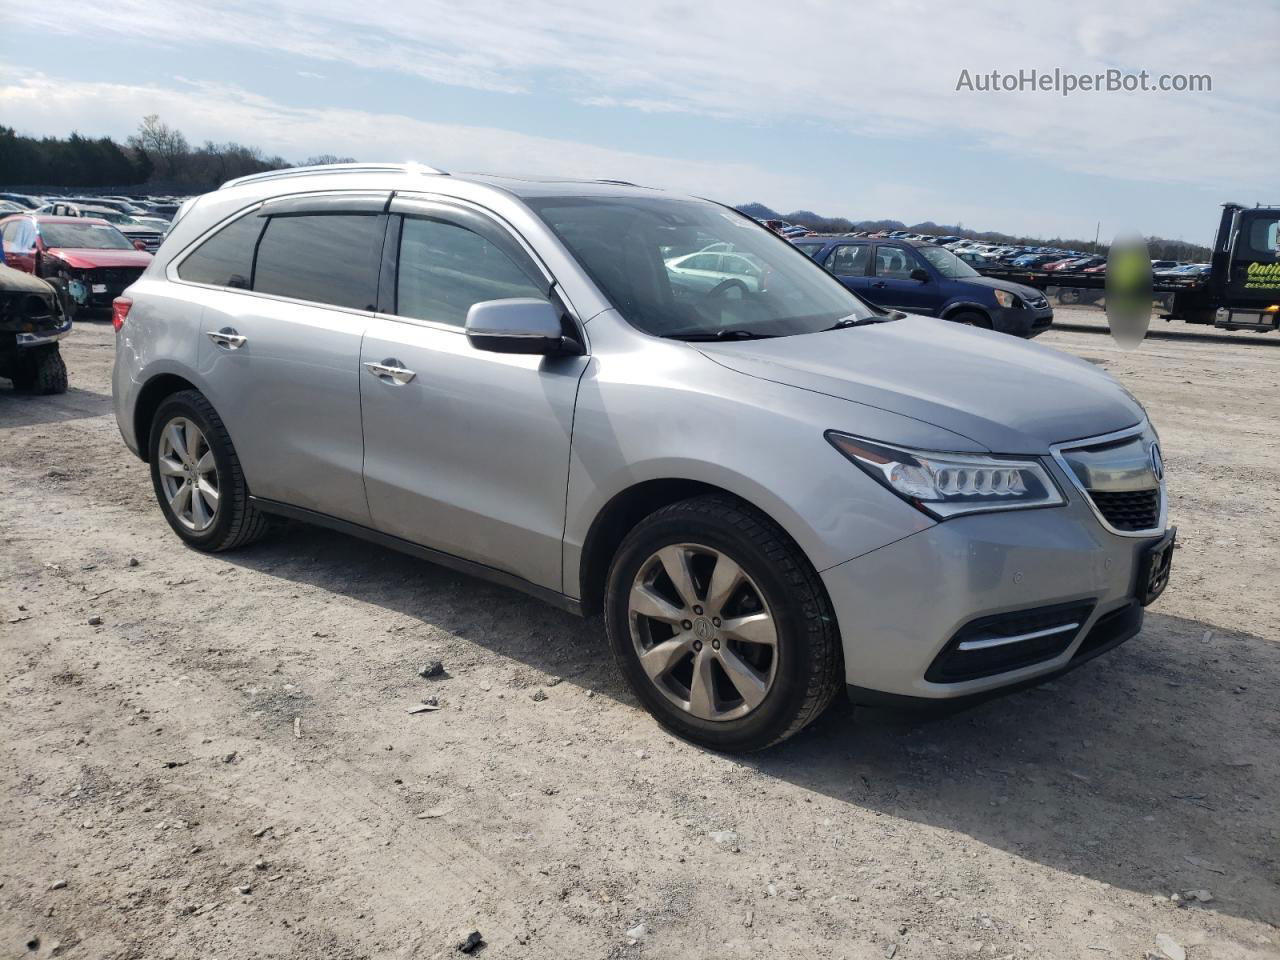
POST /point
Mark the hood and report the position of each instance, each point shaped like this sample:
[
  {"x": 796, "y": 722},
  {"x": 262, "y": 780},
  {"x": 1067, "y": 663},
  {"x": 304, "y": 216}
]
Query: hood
[
  {"x": 1005, "y": 394},
  {"x": 16, "y": 281},
  {"x": 87, "y": 259},
  {"x": 1021, "y": 289}
]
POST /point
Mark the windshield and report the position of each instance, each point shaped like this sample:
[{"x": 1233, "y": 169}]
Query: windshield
[
  {"x": 84, "y": 236},
  {"x": 691, "y": 269},
  {"x": 947, "y": 263}
]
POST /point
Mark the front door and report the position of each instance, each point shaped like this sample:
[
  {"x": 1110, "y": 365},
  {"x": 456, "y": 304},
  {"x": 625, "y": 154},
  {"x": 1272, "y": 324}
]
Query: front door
[
  {"x": 893, "y": 287},
  {"x": 466, "y": 451}
]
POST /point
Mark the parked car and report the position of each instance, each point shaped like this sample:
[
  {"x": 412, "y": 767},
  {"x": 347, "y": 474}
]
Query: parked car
[
  {"x": 88, "y": 261},
  {"x": 706, "y": 270},
  {"x": 23, "y": 200},
  {"x": 925, "y": 279},
  {"x": 8, "y": 206},
  {"x": 505, "y": 376},
  {"x": 1079, "y": 264},
  {"x": 32, "y": 322},
  {"x": 146, "y": 234}
]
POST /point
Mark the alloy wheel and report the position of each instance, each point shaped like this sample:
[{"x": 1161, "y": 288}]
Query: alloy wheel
[
  {"x": 188, "y": 474},
  {"x": 703, "y": 632}
]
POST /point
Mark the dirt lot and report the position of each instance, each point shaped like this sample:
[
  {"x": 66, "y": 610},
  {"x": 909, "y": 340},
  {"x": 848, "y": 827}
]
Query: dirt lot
[{"x": 223, "y": 765}]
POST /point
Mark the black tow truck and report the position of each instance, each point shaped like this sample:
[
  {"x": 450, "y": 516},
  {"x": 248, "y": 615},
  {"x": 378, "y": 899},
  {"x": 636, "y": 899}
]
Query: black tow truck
[
  {"x": 32, "y": 321},
  {"x": 1241, "y": 291}
]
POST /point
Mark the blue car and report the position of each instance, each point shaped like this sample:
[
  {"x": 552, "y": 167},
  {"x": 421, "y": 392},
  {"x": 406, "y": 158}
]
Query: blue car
[{"x": 923, "y": 278}]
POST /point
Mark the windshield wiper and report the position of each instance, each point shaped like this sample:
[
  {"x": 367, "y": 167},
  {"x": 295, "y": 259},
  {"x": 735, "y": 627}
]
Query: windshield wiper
[
  {"x": 699, "y": 335},
  {"x": 848, "y": 322}
]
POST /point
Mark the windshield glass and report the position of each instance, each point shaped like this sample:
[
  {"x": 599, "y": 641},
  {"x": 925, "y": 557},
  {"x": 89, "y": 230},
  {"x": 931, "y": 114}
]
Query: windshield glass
[
  {"x": 947, "y": 263},
  {"x": 85, "y": 236},
  {"x": 688, "y": 268}
]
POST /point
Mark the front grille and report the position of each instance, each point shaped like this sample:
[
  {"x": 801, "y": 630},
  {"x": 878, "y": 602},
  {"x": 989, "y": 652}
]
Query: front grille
[
  {"x": 116, "y": 276},
  {"x": 1009, "y": 641},
  {"x": 1129, "y": 510}
]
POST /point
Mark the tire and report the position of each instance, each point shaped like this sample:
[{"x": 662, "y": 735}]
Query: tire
[
  {"x": 1068, "y": 296},
  {"x": 800, "y": 673},
  {"x": 233, "y": 521},
  {"x": 971, "y": 318},
  {"x": 41, "y": 370}
]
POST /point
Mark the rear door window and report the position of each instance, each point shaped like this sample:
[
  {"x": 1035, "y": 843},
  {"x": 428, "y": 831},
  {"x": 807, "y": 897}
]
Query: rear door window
[
  {"x": 226, "y": 258},
  {"x": 324, "y": 258},
  {"x": 849, "y": 260}
]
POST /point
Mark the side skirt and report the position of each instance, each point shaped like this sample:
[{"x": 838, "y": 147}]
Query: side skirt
[{"x": 469, "y": 567}]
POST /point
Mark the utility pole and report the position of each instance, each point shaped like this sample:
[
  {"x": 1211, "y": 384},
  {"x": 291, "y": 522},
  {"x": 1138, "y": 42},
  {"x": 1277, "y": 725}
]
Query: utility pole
[{"x": 1097, "y": 233}]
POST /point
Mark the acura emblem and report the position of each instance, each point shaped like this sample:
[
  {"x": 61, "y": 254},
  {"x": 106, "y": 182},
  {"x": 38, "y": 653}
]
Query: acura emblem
[{"x": 1157, "y": 462}]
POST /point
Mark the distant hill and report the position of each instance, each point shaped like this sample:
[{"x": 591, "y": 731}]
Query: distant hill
[{"x": 1159, "y": 247}]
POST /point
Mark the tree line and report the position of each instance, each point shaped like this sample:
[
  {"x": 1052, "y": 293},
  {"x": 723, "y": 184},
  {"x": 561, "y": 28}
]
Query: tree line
[{"x": 156, "y": 155}]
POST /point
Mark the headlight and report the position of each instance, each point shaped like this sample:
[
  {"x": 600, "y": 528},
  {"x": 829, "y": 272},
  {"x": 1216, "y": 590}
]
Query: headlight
[
  {"x": 947, "y": 484},
  {"x": 1007, "y": 299}
]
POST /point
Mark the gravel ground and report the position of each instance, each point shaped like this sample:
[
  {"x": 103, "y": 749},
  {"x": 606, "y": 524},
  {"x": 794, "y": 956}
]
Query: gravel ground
[{"x": 212, "y": 757}]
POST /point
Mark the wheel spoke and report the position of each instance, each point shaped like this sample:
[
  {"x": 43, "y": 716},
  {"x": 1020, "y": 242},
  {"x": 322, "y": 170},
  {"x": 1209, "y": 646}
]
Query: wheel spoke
[
  {"x": 205, "y": 464},
  {"x": 199, "y": 509},
  {"x": 675, "y": 560},
  {"x": 177, "y": 442},
  {"x": 194, "y": 437},
  {"x": 181, "y": 500},
  {"x": 753, "y": 628},
  {"x": 169, "y": 467},
  {"x": 646, "y": 602},
  {"x": 702, "y": 691},
  {"x": 660, "y": 660},
  {"x": 750, "y": 685},
  {"x": 209, "y": 492},
  {"x": 724, "y": 580}
]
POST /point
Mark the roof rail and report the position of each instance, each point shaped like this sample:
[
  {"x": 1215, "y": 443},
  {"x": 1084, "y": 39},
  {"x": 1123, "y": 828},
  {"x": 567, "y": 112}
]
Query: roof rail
[{"x": 334, "y": 168}]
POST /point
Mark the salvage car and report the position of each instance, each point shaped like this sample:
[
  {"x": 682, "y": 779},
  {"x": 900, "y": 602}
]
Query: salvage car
[
  {"x": 31, "y": 324},
  {"x": 87, "y": 260},
  {"x": 926, "y": 279},
  {"x": 771, "y": 493}
]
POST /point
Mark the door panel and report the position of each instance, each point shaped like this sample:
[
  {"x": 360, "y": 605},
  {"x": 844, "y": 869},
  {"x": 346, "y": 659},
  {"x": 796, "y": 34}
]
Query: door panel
[
  {"x": 469, "y": 455},
  {"x": 289, "y": 395},
  {"x": 892, "y": 286}
]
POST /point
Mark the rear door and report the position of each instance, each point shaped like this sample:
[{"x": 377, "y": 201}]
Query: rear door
[
  {"x": 851, "y": 265},
  {"x": 466, "y": 451},
  {"x": 294, "y": 288}
]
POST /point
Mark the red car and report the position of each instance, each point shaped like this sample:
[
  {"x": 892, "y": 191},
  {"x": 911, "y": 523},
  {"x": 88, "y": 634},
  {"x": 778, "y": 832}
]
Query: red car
[{"x": 87, "y": 260}]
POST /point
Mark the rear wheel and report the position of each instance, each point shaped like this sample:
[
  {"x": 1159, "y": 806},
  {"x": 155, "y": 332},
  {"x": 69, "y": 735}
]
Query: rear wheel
[
  {"x": 197, "y": 476},
  {"x": 721, "y": 626}
]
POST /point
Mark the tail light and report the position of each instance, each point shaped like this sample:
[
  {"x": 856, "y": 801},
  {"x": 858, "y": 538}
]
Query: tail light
[{"x": 120, "y": 311}]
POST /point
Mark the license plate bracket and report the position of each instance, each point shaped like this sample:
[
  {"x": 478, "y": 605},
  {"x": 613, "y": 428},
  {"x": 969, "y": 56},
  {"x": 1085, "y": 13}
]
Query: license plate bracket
[{"x": 1155, "y": 567}]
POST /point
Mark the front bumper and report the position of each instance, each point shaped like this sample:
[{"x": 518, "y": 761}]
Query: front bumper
[
  {"x": 1024, "y": 321},
  {"x": 899, "y": 607}
]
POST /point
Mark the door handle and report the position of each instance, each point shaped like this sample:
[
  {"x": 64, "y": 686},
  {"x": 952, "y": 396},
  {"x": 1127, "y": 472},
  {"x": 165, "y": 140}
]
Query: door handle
[
  {"x": 390, "y": 371},
  {"x": 226, "y": 337},
  {"x": 879, "y": 285}
]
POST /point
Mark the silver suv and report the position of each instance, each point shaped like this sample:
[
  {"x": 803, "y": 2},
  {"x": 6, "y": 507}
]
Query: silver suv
[{"x": 768, "y": 487}]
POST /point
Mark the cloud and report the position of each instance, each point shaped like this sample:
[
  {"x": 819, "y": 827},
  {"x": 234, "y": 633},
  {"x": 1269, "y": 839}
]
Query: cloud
[
  {"x": 886, "y": 70},
  {"x": 45, "y": 104}
]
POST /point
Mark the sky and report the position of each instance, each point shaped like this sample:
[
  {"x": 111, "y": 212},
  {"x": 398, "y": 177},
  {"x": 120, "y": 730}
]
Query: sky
[{"x": 844, "y": 108}]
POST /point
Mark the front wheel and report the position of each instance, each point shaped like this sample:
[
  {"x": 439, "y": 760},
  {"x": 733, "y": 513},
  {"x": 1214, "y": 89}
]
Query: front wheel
[
  {"x": 971, "y": 318},
  {"x": 40, "y": 370},
  {"x": 197, "y": 476},
  {"x": 721, "y": 626}
]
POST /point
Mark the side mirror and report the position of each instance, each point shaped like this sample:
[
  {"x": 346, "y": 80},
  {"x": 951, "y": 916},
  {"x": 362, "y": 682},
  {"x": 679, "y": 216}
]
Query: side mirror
[
  {"x": 140, "y": 245},
  {"x": 518, "y": 325},
  {"x": 921, "y": 274}
]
